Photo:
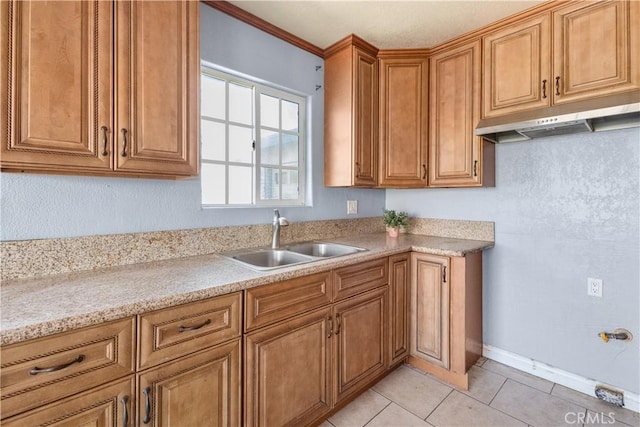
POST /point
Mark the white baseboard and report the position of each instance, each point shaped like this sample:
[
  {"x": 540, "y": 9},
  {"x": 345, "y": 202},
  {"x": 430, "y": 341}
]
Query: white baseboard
[{"x": 556, "y": 375}]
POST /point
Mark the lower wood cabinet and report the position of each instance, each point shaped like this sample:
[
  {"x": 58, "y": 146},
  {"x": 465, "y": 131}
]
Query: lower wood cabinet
[
  {"x": 311, "y": 345},
  {"x": 430, "y": 309},
  {"x": 446, "y": 315},
  {"x": 399, "y": 293},
  {"x": 108, "y": 405},
  {"x": 288, "y": 371},
  {"x": 359, "y": 341},
  {"x": 298, "y": 369},
  {"x": 197, "y": 390},
  {"x": 44, "y": 370}
]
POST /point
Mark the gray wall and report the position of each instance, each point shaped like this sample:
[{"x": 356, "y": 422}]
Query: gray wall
[
  {"x": 565, "y": 208},
  {"x": 47, "y": 206}
]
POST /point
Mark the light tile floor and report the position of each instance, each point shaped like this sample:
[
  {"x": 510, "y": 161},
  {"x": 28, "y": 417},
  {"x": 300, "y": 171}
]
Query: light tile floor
[{"x": 498, "y": 396}]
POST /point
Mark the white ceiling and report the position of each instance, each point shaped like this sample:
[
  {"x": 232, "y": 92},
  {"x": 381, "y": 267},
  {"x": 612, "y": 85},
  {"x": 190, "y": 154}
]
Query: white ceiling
[{"x": 386, "y": 24}]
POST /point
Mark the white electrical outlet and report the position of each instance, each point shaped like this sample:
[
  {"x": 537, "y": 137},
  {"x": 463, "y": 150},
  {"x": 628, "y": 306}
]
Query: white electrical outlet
[
  {"x": 594, "y": 287},
  {"x": 352, "y": 207}
]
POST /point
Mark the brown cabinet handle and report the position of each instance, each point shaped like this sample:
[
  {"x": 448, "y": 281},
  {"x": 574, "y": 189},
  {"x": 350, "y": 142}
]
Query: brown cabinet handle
[
  {"x": 339, "y": 323},
  {"x": 475, "y": 168},
  {"x": 125, "y": 413},
  {"x": 330, "y": 321},
  {"x": 147, "y": 405},
  {"x": 124, "y": 142},
  {"x": 424, "y": 171},
  {"x": 444, "y": 274},
  {"x": 544, "y": 88},
  {"x": 36, "y": 370},
  {"x": 558, "y": 85},
  {"x": 193, "y": 328},
  {"x": 104, "y": 130},
  {"x": 357, "y": 169}
]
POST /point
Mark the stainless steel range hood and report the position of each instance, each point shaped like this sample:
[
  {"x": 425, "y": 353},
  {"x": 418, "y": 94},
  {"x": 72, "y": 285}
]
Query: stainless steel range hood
[{"x": 606, "y": 113}]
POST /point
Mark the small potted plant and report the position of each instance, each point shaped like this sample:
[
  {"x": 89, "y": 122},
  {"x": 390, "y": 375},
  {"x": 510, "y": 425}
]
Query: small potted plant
[{"x": 394, "y": 220}]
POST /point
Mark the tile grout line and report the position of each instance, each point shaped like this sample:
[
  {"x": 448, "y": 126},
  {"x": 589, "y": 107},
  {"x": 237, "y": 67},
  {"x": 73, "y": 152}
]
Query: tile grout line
[
  {"x": 500, "y": 410},
  {"x": 380, "y": 411},
  {"x": 438, "y": 405}
]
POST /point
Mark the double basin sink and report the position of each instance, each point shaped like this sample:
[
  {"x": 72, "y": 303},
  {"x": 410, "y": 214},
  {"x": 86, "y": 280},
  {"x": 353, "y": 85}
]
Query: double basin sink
[{"x": 298, "y": 253}]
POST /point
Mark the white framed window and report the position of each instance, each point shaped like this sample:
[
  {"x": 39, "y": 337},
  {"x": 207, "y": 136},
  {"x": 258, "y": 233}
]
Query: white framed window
[{"x": 252, "y": 143}]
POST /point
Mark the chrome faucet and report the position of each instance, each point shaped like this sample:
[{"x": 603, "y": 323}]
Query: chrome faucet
[{"x": 278, "y": 222}]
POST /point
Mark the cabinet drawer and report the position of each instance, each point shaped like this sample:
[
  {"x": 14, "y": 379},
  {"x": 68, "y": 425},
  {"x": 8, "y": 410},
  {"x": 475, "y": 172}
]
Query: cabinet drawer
[
  {"x": 268, "y": 304},
  {"x": 358, "y": 278},
  {"x": 176, "y": 331},
  {"x": 40, "y": 371}
]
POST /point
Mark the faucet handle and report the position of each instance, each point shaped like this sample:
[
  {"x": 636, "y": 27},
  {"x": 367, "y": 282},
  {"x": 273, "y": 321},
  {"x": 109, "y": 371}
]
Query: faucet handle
[{"x": 283, "y": 221}]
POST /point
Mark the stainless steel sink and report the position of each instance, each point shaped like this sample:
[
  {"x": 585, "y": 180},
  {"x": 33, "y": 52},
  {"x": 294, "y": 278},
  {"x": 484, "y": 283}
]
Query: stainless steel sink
[
  {"x": 297, "y": 253},
  {"x": 323, "y": 250},
  {"x": 266, "y": 259}
]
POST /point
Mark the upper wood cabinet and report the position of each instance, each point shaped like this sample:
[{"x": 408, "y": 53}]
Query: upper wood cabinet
[
  {"x": 595, "y": 49},
  {"x": 158, "y": 75},
  {"x": 403, "y": 121},
  {"x": 456, "y": 156},
  {"x": 517, "y": 67},
  {"x": 351, "y": 114},
  {"x": 100, "y": 87},
  {"x": 589, "y": 55}
]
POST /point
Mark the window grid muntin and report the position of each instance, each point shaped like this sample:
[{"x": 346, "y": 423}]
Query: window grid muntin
[{"x": 281, "y": 96}]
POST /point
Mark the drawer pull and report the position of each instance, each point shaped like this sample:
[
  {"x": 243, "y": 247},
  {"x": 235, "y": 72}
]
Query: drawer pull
[
  {"x": 125, "y": 411},
  {"x": 36, "y": 370},
  {"x": 338, "y": 322},
  {"x": 147, "y": 405},
  {"x": 193, "y": 328}
]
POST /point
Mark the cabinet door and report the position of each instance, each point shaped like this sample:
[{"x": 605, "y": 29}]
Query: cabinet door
[
  {"x": 360, "y": 341},
  {"x": 365, "y": 122},
  {"x": 109, "y": 405},
  {"x": 56, "y": 76},
  {"x": 516, "y": 63},
  {"x": 455, "y": 153},
  {"x": 287, "y": 371},
  {"x": 593, "y": 49},
  {"x": 157, "y": 98},
  {"x": 399, "y": 292},
  {"x": 430, "y": 308},
  {"x": 197, "y": 390},
  {"x": 403, "y": 122}
]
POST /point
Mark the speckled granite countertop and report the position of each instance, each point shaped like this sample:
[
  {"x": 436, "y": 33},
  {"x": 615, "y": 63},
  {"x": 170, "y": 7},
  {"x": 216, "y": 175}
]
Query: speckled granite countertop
[{"x": 38, "y": 307}]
